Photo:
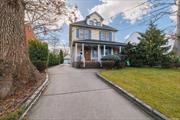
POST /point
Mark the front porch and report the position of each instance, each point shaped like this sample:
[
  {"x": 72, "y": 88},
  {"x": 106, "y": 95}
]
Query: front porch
[{"x": 91, "y": 52}]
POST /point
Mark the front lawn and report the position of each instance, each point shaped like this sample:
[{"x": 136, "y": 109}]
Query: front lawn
[{"x": 159, "y": 88}]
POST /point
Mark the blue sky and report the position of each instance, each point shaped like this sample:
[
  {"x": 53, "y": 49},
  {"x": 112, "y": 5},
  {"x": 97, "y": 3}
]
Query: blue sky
[{"x": 121, "y": 22}]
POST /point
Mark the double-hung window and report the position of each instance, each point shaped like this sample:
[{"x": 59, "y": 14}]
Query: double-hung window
[
  {"x": 102, "y": 35},
  {"x": 105, "y": 35},
  {"x": 83, "y": 33}
]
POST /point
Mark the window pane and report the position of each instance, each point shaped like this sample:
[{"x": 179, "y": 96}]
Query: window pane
[
  {"x": 81, "y": 34},
  {"x": 91, "y": 22},
  {"x": 110, "y": 36},
  {"x": 102, "y": 35},
  {"x": 77, "y": 33}
]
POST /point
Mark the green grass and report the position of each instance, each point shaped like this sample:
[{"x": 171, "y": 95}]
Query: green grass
[
  {"x": 13, "y": 115},
  {"x": 159, "y": 88}
]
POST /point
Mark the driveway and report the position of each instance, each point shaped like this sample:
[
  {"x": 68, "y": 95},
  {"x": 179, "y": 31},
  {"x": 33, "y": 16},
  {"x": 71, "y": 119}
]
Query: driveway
[{"x": 77, "y": 94}]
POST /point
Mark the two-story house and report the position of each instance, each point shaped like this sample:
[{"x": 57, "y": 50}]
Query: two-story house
[{"x": 92, "y": 40}]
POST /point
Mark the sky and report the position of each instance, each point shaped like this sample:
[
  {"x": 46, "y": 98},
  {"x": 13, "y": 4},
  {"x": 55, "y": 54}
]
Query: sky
[{"x": 124, "y": 15}]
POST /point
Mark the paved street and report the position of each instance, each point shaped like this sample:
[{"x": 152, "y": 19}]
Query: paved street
[{"x": 77, "y": 94}]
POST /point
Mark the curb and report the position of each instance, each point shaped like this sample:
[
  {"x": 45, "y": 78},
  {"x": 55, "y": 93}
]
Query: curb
[
  {"x": 34, "y": 97},
  {"x": 148, "y": 109}
]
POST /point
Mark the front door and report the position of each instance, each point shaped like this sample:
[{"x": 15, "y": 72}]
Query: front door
[{"x": 87, "y": 53}]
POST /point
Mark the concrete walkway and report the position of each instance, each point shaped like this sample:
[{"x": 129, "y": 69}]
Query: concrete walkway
[{"x": 77, "y": 94}]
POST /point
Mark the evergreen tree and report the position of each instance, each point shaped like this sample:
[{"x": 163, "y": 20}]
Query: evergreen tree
[
  {"x": 152, "y": 47},
  {"x": 61, "y": 55}
]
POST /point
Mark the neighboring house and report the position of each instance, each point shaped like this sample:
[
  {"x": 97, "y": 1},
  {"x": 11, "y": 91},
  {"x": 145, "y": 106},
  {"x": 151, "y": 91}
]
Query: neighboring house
[
  {"x": 67, "y": 59},
  {"x": 133, "y": 39},
  {"x": 29, "y": 34},
  {"x": 90, "y": 39}
]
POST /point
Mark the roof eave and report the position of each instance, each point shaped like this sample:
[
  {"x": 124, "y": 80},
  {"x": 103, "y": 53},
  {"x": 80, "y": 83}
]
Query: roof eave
[{"x": 73, "y": 24}]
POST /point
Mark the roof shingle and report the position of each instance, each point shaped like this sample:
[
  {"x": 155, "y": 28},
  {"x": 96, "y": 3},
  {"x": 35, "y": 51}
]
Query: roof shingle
[{"x": 83, "y": 24}]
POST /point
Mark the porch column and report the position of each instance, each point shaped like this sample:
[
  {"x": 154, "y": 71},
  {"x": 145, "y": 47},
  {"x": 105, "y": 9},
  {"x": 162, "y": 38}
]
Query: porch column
[
  {"x": 75, "y": 54},
  {"x": 83, "y": 58},
  {"x": 119, "y": 49},
  {"x": 104, "y": 50},
  {"x": 99, "y": 53},
  {"x": 83, "y": 49},
  {"x": 112, "y": 52}
]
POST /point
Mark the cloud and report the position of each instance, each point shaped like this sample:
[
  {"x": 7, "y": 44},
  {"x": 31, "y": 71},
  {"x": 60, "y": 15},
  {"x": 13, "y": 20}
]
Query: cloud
[{"x": 131, "y": 10}]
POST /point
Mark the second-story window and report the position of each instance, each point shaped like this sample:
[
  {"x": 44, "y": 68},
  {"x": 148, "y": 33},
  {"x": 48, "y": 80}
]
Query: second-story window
[
  {"x": 83, "y": 34},
  {"x": 105, "y": 35}
]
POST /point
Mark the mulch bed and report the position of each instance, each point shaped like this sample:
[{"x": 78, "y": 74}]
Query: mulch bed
[{"x": 13, "y": 102}]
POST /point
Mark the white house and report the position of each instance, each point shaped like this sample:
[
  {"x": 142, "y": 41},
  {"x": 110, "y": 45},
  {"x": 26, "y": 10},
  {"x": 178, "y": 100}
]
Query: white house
[{"x": 90, "y": 39}]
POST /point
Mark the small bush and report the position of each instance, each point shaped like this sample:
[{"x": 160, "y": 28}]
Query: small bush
[
  {"x": 92, "y": 64},
  {"x": 170, "y": 60},
  {"x": 122, "y": 62},
  {"x": 108, "y": 64},
  {"x": 38, "y": 53},
  {"x": 110, "y": 61}
]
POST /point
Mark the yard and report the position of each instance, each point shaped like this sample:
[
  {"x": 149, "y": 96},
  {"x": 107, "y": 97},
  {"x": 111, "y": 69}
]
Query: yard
[{"x": 159, "y": 88}]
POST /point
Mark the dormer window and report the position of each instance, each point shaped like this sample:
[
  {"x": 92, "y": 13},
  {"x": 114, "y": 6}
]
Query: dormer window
[
  {"x": 94, "y": 22},
  {"x": 98, "y": 24},
  {"x": 91, "y": 22}
]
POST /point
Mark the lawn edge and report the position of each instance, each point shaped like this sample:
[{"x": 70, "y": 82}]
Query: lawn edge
[
  {"x": 148, "y": 109},
  {"x": 28, "y": 104}
]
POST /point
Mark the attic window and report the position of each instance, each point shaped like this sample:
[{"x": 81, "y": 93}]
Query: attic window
[
  {"x": 91, "y": 22},
  {"x": 98, "y": 24}
]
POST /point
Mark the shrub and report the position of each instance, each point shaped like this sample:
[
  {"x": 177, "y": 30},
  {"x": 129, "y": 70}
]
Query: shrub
[
  {"x": 170, "y": 60},
  {"x": 177, "y": 64},
  {"x": 92, "y": 64},
  {"x": 61, "y": 56},
  {"x": 38, "y": 53},
  {"x": 108, "y": 64},
  {"x": 54, "y": 59},
  {"x": 110, "y": 61},
  {"x": 122, "y": 62},
  {"x": 41, "y": 65}
]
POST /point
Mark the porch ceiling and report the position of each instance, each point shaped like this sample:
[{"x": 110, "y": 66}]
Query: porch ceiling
[{"x": 112, "y": 43}]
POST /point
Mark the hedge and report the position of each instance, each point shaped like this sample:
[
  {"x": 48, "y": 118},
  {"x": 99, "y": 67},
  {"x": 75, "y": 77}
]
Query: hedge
[
  {"x": 110, "y": 61},
  {"x": 54, "y": 59},
  {"x": 38, "y": 53}
]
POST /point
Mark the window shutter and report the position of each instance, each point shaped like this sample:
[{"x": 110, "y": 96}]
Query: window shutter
[
  {"x": 89, "y": 34},
  {"x": 77, "y": 33},
  {"x": 110, "y": 36}
]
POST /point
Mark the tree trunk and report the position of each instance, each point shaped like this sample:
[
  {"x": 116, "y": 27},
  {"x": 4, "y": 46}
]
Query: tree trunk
[
  {"x": 177, "y": 42},
  {"x": 16, "y": 69}
]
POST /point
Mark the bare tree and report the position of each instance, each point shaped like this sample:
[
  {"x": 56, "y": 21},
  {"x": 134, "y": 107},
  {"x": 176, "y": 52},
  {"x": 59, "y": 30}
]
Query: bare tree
[
  {"x": 16, "y": 69},
  {"x": 48, "y": 15}
]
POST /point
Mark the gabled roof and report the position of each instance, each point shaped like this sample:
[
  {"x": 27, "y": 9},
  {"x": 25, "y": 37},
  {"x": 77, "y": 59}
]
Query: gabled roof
[
  {"x": 84, "y": 24},
  {"x": 96, "y": 14}
]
